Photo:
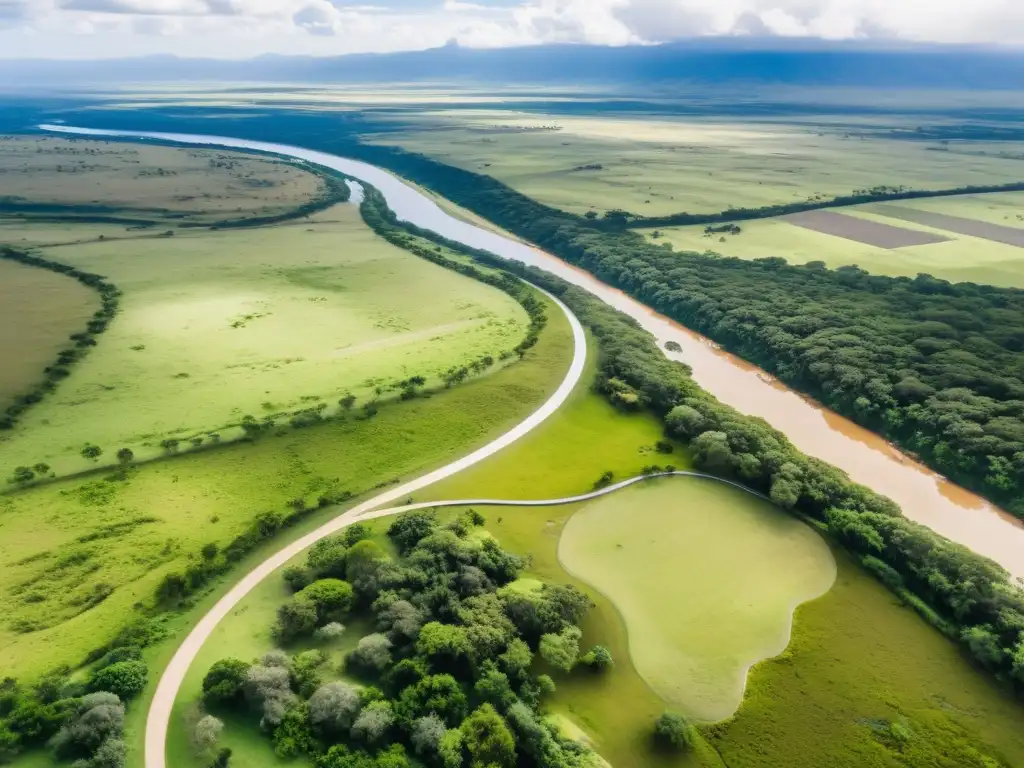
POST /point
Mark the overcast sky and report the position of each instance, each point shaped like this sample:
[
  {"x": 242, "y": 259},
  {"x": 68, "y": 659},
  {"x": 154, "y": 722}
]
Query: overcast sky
[{"x": 241, "y": 28}]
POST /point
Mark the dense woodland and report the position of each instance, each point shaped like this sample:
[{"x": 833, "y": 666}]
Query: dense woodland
[{"x": 447, "y": 677}]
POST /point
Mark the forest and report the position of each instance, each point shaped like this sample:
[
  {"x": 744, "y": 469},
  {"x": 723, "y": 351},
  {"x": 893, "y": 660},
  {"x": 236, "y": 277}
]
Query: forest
[{"x": 447, "y": 674}]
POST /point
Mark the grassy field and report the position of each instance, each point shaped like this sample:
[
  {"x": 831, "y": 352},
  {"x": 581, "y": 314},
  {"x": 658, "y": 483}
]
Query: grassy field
[
  {"x": 193, "y": 185},
  {"x": 654, "y": 165},
  {"x": 647, "y": 547},
  {"x": 215, "y": 325},
  {"x": 860, "y": 662},
  {"x": 77, "y": 555},
  {"x": 962, "y": 258},
  {"x": 39, "y": 310},
  {"x": 550, "y": 461}
]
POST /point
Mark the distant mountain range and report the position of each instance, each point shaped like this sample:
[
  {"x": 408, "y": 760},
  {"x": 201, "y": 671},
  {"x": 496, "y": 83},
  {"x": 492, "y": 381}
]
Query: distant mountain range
[{"x": 705, "y": 61}]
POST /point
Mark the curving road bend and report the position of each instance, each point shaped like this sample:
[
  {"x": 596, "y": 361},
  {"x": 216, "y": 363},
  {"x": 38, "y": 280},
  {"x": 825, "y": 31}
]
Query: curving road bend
[{"x": 158, "y": 719}]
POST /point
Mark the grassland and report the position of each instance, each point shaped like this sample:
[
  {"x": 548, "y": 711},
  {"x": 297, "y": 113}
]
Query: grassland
[
  {"x": 551, "y": 460},
  {"x": 77, "y": 555},
  {"x": 655, "y": 165},
  {"x": 859, "y": 663},
  {"x": 647, "y": 548},
  {"x": 215, "y": 325},
  {"x": 39, "y": 310},
  {"x": 194, "y": 185},
  {"x": 961, "y": 258}
]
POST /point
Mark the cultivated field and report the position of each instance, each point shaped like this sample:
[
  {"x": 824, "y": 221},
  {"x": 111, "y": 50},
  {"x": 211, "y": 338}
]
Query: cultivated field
[
  {"x": 216, "y": 325},
  {"x": 649, "y": 547},
  {"x": 952, "y": 254},
  {"x": 651, "y": 164},
  {"x": 39, "y": 310},
  {"x": 143, "y": 181}
]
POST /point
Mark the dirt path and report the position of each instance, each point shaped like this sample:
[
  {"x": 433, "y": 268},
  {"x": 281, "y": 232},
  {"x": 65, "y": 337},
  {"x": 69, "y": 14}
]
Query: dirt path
[{"x": 173, "y": 675}]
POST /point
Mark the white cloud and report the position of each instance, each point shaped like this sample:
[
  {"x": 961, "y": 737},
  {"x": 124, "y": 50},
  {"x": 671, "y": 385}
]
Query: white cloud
[{"x": 248, "y": 27}]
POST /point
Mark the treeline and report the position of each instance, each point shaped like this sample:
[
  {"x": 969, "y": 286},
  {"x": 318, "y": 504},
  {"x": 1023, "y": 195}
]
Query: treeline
[
  {"x": 448, "y": 674},
  {"x": 936, "y": 367},
  {"x": 335, "y": 191},
  {"x": 858, "y": 197},
  {"x": 78, "y": 718},
  {"x": 53, "y": 374}
]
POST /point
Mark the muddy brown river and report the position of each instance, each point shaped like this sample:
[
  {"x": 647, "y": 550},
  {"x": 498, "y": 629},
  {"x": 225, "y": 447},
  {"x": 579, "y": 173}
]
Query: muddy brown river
[{"x": 923, "y": 496}]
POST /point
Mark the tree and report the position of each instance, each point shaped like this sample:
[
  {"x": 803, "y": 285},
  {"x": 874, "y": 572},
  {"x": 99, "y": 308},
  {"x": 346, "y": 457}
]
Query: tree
[
  {"x": 347, "y": 402},
  {"x": 427, "y": 733},
  {"x": 333, "y": 708},
  {"x": 436, "y": 694},
  {"x": 493, "y": 687},
  {"x": 450, "y": 749},
  {"x": 373, "y": 653},
  {"x": 598, "y": 658},
  {"x": 306, "y": 671},
  {"x": 373, "y": 722},
  {"x": 98, "y": 717},
  {"x": 110, "y": 754},
  {"x": 326, "y": 558},
  {"x": 125, "y": 456},
  {"x": 298, "y": 577},
  {"x": 673, "y": 731},
  {"x": 125, "y": 679},
  {"x": 561, "y": 650},
  {"x": 331, "y": 597},
  {"x": 42, "y": 468},
  {"x": 401, "y": 620},
  {"x": 516, "y": 660},
  {"x": 331, "y": 631},
  {"x": 443, "y": 641},
  {"x": 207, "y": 733},
  {"x": 268, "y": 687},
  {"x": 409, "y": 529},
  {"x": 224, "y": 682},
  {"x": 91, "y": 451},
  {"x": 296, "y": 618},
  {"x": 23, "y": 475},
  {"x": 488, "y": 740}
]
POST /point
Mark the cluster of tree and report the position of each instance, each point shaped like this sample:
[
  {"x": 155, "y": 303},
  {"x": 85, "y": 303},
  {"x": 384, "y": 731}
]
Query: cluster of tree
[
  {"x": 79, "y": 720},
  {"x": 718, "y": 229},
  {"x": 110, "y": 298},
  {"x": 447, "y": 673},
  {"x": 936, "y": 367}
]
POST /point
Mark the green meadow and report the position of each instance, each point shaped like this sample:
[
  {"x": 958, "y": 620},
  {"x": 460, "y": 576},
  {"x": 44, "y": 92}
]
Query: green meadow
[
  {"x": 216, "y": 325},
  {"x": 656, "y": 164},
  {"x": 77, "y": 555},
  {"x": 962, "y": 258}
]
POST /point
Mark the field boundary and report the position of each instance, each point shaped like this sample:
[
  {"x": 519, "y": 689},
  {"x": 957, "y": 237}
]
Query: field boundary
[{"x": 110, "y": 297}]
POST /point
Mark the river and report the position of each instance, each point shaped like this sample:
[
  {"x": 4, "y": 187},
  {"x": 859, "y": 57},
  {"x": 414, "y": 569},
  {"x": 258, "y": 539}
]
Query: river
[{"x": 868, "y": 459}]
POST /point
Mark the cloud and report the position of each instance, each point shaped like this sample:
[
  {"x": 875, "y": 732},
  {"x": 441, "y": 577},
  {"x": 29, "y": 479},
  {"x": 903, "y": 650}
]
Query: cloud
[{"x": 249, "y": 27}]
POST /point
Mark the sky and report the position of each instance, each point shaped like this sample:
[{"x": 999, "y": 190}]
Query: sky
[{"x": 243, "y": 28}]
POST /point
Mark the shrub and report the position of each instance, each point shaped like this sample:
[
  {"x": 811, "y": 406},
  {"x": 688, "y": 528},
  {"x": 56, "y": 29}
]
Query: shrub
[
  {"x": 125, "y": 679},
  {"x": 673, "y": 731}
]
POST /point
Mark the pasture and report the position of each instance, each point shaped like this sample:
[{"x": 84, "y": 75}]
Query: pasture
[
  {"x": 79, "y": 557},
  {"x": 657, "y": 164},
  {"x": 148, "y": 181},
  {"x": 706, "y": 578},
  {"x": 866, "y": 682},
  {"x": 953, "y": 256},
  {"x": 39, "y": 310},
  {"x": 216, "y": 325}
]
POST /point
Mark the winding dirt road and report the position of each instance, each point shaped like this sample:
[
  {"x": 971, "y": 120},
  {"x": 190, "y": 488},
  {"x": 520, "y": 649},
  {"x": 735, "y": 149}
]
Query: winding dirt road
[{"x": 159, "y": 716}]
